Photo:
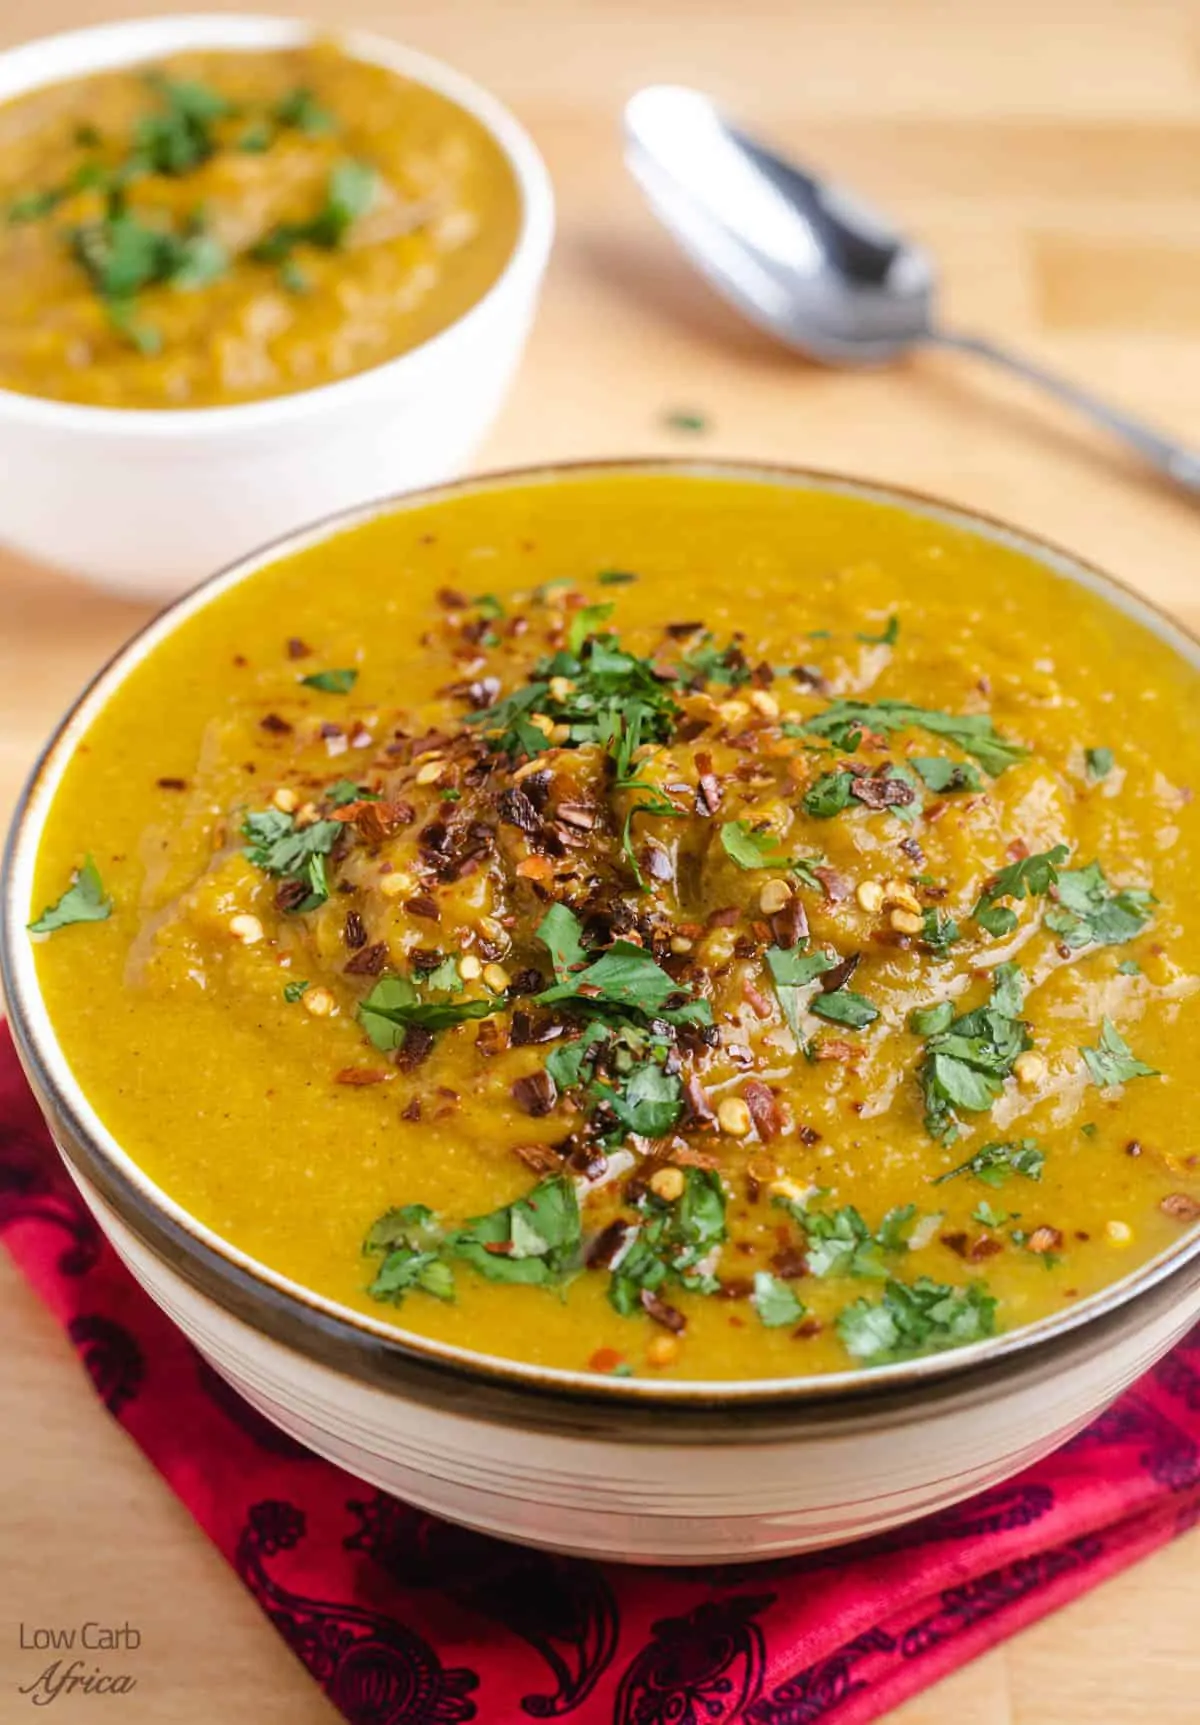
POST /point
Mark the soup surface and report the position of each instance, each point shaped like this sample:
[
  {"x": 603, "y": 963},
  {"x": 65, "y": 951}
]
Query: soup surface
[
  {"x": 652, "y": 924},
  {"x": 220, "y": 227}
]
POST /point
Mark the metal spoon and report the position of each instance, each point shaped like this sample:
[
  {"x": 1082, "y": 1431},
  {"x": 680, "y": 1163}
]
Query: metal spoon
[{"x": 810, "y": 263}]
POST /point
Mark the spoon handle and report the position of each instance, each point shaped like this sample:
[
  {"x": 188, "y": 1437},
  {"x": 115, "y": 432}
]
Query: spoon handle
[{"x": 1172, "y": 458}]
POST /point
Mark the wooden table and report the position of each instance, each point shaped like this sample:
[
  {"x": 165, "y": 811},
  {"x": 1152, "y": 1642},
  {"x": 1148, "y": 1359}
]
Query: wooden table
[{"x": 1051, "y": 157}]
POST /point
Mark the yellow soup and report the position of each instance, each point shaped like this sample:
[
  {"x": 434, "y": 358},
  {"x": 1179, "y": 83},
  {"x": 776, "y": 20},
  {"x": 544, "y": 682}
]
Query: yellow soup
[
  {"x": 650, "y": 924},
  {"x": 222, "y": 227}
]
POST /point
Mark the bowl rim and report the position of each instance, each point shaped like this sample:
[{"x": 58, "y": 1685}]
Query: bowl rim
[
  {"x": 379, "y": 1351},
  {"x": 38, "y": 64}
]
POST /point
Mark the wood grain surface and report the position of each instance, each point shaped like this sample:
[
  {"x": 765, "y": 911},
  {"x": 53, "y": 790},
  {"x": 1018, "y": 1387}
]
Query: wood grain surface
[{"x": 1049, "y": 153}]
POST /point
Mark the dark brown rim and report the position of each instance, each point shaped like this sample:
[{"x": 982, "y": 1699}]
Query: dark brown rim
[{"x": 340, "y": 1337}]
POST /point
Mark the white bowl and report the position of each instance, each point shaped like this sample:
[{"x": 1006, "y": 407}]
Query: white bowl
[
  {"x": 147, "y": 502},
  {"x": 666, "y": 1471}
]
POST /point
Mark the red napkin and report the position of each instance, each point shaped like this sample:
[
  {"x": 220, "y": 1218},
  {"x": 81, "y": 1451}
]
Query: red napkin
[{"x": 406, "y": 1620}]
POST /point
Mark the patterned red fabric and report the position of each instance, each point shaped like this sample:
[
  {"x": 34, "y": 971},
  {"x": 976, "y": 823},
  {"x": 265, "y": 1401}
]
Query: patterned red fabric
[{"x": 405, "y": 1620}]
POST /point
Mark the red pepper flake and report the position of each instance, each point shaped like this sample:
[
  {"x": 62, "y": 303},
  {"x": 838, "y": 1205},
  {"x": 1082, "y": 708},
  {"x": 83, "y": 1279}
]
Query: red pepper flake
[
  {"x": 360, "y": 1075},
  {"x": 708, "y": 790},
  {"x": 605, "y": 1361},
  {"x": 450, "y": 599},
  {"x": 540, "y": 1158},
  {"x": 700, "y": 1111},
  {"x": 1045, "y": 1239},
  {"x": 840, "y": 975},
  {"x": 411, "y": 1109},
  {"x": 834, "y": 885},
  {"x": 684, "y": 1156},
  {"x": 829, "y": 1048},
  {"x": 272, "y": 722},
  {"x": 369, "y": 961},
  {"x": 807, "y": 1329},
  {"x": 297, "y": 649},
  {"x": 877, "y": 792},
  {"x": 761, "y": 1005},
  {"x": 662, "y": 1313},
  {"x": 789, "y": 926},
  {"x": 607, "y": 1243},
  {"x": 536, "y": 1093},
  {"x": 172, "y": 784},
  {"x": 808, "y": 1135},
  {"x": 416, "y": 1047},
  {"x": 723, "y": 918},
  {"x": 1181, "y": 1206},
  {"x": 760, "y": 1099},
  {"x": 425, "y": 907},
  {"x": 354, "y": 931}
]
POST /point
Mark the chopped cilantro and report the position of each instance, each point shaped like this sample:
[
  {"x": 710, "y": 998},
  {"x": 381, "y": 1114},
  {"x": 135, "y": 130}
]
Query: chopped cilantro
[
  {"x": 301, "y": 110},
  {"x": 345, "y": 791},
  {"x": 536, "y": 1240},
  {"x": 945, "y": 776},
  {"x": 843, "y": 1006},
  {"x": 83, "y": 901},
  {"x": 1100, "y": 762},
  {"x": 615, "y": 577},
  {"x": 1112, "y": 1061},
  {"x": 993, "y": 1163},
  {"x": 394, "y": 1003},
  {"x": 792, "y": 970},
  {"x": 988, "y": 1216},
  {"x": 828, "y": 795},
  {"x": 839, "y": 1242},
  {"x": 929, "y": 1020},
  {"x": 349, "y": 193},
  {"x": 916, "y": 1318},
  {"x": 585, "y": 624},
  {"x": 1129, "y": 967},
  {"x": 939, "y": 931},
  {"x": 750, "y": 849},
  {"x": 685, "y": 419},
  {"x": 331, "y": 682},
  {"x": 774, "y": 1301},
  {"x": 293, "y": 991},
  {"x": 624, "y": 976},
  {"x": 672, "y": 1243},
  {"x": 967, "y": 1061},
  {"x": 1027, "y": 877},
  {"x": 410, "y": 1243},
  {"x": 1090, "y": 913},
  {"x": 279, "y": 847},
  {"x": 845, "y": 722},
  {"x": 888, "y": 638}
]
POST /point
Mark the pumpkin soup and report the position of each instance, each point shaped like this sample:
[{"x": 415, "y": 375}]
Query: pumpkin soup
[
  {"x": 223, "y": 227},
  {"x": 649, "y": 923}
]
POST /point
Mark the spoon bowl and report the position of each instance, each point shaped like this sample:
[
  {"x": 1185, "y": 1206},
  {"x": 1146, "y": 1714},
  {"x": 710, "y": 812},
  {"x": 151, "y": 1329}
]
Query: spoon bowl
[{"x": 812, "y": 264}]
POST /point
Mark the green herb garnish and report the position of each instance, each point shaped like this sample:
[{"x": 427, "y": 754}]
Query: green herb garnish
[
  {"x": 83, "y": 901},
  {"x": 395, "y": 1003},
  {"x": 916, "y": 1318},
  {"x": 294, "y": 991},
  {"x": 1028, "y": 877},
  {"x": 1112, "y": 1061},
  {"x": 331, "y": 682},
  {"x": 944, "y": 776},
  {"x": 1090, "y": 913},
  {"x": 1100, "y": 762},
  {"x": 967, "y": 1061},
  {"x": 774, "y": 1301},
  {"x": 995, "y": 1162},
  {"x": 279, "y": 847},
  {"x": 674, "y": 1243},
  {"x": 844, "y": 724},
  {"x": 888, "y": 638}
]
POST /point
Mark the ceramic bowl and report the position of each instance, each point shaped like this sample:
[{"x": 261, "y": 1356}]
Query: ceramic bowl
[
  {"x": 146, "y": 502},
  {"x": 649, "y": 1472}
]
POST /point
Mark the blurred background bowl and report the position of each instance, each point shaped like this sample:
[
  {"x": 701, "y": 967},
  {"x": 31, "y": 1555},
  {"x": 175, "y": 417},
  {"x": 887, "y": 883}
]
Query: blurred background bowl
[{"x": 145, "y": 502}]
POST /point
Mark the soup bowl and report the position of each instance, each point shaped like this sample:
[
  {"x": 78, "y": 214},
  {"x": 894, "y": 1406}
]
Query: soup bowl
[
  {"x": 243, "y": 473},
  {"x": 644, "y": 1470}
]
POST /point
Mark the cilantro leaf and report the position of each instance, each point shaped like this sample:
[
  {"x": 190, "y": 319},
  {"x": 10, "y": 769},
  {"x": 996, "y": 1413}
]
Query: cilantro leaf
[
  {"x": 839, "y": 1242},
  {"x": 888, "y": 638},
  {"x": 774, "y": 1301},
  {"x": 409, "y": 1241},
  {"x": 83, "y": 901},
  {"x": 1100, "y": 762},
  {"x": 331, "y": 682},
  {"x": 993, "y": 1163},
  {"x": 615, "y": 577},
  {"x": 828, "y": 795},
  {"x": 561, "y": 932},
  {"x": 967, "y": 1061},
  {"x": 672, "y": 1242},
  {"x": 792, "y": 970},
  {"x": 1090, "y": 913},
  {"x": 279, "y": 847},
  {"x": 944, "y": 776},
  {"x": 843, "y": 1006},
  {"x": 294, "y": 991},
  {"x": 394, "y": 1003},
  {"x": 844, "y": 722},
  {"x": 586, "y": 623},
  {"x": 1027, "y": 877},
  {"x": 750, "y": 849},
  {"x": 537, "y": 1240},
  {"x": 1112, "y": 1061},
  {"x": 916, "y": 1318},
  {"x": 939, "y": 931}
]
